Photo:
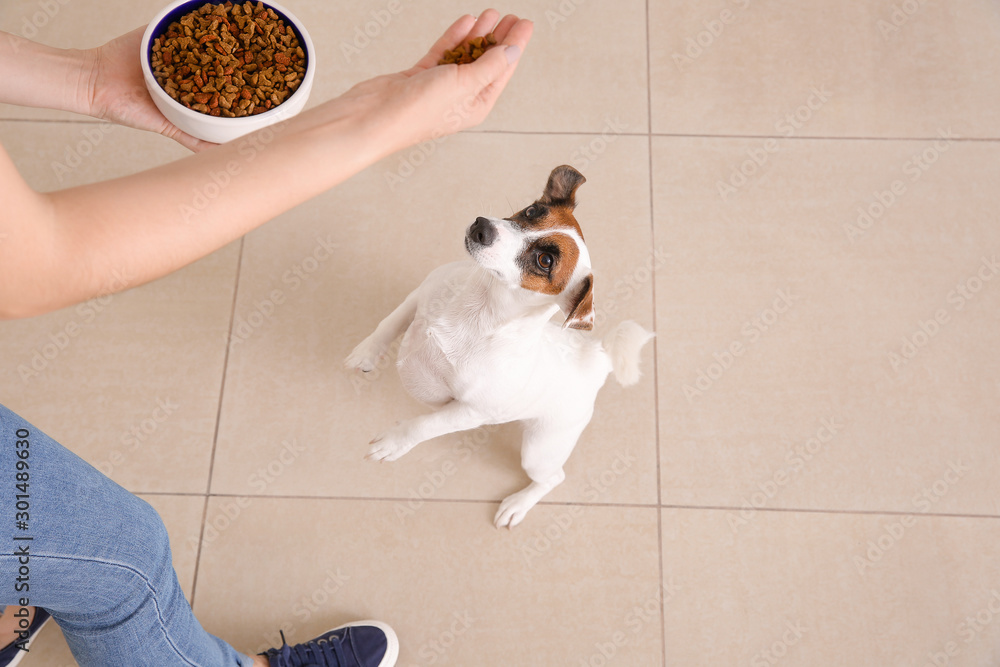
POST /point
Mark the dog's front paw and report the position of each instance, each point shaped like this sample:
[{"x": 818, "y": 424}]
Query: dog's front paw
[
  {"x": 365, "y": 357},
  {"x": 390, "y": 445},
  {"x": 514, "y": 508}
]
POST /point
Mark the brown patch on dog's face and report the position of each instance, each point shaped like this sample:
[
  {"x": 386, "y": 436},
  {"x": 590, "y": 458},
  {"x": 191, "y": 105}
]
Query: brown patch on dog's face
[
  {"x": 547, "y": 264},
  {"x": 540, "y": 217}
]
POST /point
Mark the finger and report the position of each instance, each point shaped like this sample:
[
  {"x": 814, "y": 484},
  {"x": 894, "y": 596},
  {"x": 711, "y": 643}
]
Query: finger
[
  {"x": 503, "y": 28},
  {"x": 187, "y": 141},
  {"x": 485, "y": 24},
  {"x": 519, "y": 33},
  {"x": 497, "y": 65},
  {"x": 449, "y": 40}
]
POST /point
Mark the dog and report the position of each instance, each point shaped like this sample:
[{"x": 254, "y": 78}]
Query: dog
[{"x": 479, "y": 346}]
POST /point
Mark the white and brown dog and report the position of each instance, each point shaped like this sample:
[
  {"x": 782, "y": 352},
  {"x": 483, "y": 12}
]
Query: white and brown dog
[{"x": 480, "y": 347}]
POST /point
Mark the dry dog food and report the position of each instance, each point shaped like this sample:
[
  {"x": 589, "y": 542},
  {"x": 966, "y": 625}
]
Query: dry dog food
[
  {"x": 229, "y": 60},
  {"x": 467, "y": 53}
]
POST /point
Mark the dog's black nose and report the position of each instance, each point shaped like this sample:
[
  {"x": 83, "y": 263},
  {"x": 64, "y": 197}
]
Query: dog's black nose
[{"x": 482, "y": 232}]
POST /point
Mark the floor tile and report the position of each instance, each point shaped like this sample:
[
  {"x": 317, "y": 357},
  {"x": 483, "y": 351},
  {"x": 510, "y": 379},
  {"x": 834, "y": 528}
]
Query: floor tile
[
  {"x": 315, "y": 283},
  {"x": 182, "y": 516},
  {"x": 456, "y": 590},
  {"x": 810, "y": 589},
  {"x": 821, "y": 349},
  {"x": 880, "y": 69},
  {"x": 129, "y": 381}
]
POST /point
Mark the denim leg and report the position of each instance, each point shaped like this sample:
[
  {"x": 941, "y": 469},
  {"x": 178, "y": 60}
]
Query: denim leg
[{"x": 98, "y": 559}]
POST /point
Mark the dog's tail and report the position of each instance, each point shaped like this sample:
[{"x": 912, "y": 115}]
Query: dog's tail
[{"x": 624, "y": 346}]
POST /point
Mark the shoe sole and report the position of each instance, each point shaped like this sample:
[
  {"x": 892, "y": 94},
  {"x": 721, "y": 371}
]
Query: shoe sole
[
  {"x": 31, "y": 640},
  {"x": 392, "y": 641}
]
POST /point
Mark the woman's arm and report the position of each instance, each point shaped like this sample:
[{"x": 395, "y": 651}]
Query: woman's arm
[
  {"x": 64, "y": 247},
  {"x": 36, "y": 75},
  {"x": 105, "y": 82}
]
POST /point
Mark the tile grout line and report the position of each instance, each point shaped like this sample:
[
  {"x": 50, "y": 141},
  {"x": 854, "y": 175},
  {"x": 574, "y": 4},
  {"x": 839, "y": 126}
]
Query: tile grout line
[
  {"x": 674, "y": 135},
  {"x": 656, "y": 365},
  {"x": 218, "y": 420},
  {"x": 563, "y": 503}
]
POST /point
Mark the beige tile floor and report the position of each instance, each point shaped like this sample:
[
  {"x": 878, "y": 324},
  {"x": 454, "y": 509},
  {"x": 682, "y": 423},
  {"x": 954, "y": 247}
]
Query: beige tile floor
[{"x": 805, "y": 475}]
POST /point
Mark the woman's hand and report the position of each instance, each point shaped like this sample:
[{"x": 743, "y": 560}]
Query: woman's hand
[
  {"x": 116, "y": 91},
  {"x": 428, "y": 101}
]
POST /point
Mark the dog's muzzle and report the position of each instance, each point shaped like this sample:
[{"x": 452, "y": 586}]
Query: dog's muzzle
[{"x": 481, "y": 232}]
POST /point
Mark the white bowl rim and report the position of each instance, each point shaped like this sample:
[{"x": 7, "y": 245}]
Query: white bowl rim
[{"x": 218, "y": 121}]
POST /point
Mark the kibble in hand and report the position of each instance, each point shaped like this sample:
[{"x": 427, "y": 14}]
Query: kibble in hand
[
  {"x": 229, "y": 60},
  {"x": 469, "y": 52}
]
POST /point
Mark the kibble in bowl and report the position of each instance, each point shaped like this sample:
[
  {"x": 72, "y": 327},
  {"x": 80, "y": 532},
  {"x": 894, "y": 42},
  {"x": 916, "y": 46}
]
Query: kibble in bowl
[{"x": 219, "y": 69}]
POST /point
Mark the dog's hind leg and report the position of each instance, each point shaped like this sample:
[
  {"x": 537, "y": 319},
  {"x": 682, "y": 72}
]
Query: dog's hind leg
[
  {"x": 544, "y": 451},
  {"x": 366, "y": 355},
  {"x": 404, "y": 436}
]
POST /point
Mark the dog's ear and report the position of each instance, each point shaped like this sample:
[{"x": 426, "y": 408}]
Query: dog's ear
[
  {"x": 579, "y": 306},
  {"x": 562, "y": 185}
]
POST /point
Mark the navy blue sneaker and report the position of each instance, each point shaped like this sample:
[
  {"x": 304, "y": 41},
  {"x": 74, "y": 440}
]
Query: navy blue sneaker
[
  {"x": 360, "y": 644},
  {"x": 12, "y": 654}
]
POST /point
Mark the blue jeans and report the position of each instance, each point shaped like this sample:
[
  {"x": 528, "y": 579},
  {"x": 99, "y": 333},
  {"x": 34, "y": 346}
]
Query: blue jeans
[{"x": 94, "y": 556}]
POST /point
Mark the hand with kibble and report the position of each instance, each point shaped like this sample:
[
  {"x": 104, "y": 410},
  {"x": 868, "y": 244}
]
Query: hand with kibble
[
  {"x": 117, "y": 93},
  {"x": 436, "y": 98}
]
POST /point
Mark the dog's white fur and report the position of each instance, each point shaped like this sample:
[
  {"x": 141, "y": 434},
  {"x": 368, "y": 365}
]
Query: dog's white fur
[{"x": 482, "y": 350}]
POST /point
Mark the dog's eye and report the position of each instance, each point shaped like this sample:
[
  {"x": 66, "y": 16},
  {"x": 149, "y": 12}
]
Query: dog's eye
[
  {"x": 531, "y": 212},
  {"x": 545, "y": 261}
]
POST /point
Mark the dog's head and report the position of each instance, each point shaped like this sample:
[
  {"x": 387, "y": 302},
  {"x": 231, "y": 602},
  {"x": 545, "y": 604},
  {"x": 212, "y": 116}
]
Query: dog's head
[{"x": 540, "y": 248}]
